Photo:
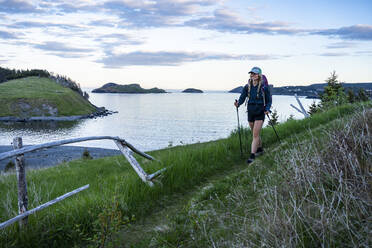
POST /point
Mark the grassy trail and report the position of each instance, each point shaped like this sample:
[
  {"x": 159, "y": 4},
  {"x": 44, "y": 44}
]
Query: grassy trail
[
  {"x": 173, "y": 205},
  {"x": 140, "y": 233}
]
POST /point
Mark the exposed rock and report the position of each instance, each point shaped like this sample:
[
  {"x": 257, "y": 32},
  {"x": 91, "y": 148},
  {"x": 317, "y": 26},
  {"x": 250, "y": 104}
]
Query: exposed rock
[{"x": 24, "y": 109}]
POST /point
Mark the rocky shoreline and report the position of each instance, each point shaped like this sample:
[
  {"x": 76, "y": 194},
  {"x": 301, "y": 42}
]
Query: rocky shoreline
[{"x": 100, "y": 113}]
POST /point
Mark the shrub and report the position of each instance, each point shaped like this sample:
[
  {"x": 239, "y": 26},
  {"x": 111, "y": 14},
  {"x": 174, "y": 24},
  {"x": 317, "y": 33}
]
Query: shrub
[
  {"x": 86, "y": 154},
  {"x": 274, "y": 118},
  {"x": 9, "y": 166}
]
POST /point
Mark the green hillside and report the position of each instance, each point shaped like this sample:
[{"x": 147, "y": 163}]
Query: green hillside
[
  {"x": 310, "y": 190},
  {"x": 34, "y": 96}
]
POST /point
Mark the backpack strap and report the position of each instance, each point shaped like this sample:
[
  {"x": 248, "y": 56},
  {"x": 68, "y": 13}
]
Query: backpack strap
[
  {"x": 249, "y": 85},
  {"x": 261, "y": 87},
  {"x": 264, "y": 85}
]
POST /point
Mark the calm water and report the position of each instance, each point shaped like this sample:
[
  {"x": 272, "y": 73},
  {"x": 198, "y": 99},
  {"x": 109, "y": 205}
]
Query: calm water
[{"x": 151, "y": 121}]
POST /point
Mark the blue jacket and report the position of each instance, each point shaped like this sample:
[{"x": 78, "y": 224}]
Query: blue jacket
[{"x": 253, "y": 99}]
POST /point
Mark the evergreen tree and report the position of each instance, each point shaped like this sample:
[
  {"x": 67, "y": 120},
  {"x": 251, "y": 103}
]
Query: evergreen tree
[
  {"x": 274, "y": 118},
  {"x": 350, "y": 96},
  {"x": 313, "y": 108},
  {"x": 362, "y": 95},
  {"x": 334, "y": 93},
  {"x": 8, "y": 74}
]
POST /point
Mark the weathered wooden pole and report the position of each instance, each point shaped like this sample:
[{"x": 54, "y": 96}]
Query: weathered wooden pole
[
  {"x": 133, "y": 162},
  {"x": 49, "y": 203},
  {"x": 21, "y": 178},
  {"x": 302, "y": 110}
]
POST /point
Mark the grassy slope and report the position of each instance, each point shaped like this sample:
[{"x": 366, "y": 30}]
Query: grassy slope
[
  {"x": 314, "y": 190},
  {"x": 116, "y": 191},
  {"x": 37, "y": 91}
]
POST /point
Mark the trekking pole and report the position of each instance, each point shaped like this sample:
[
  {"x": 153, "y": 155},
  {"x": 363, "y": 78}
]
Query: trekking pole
[
  {"x": 273, "y": 127},
  {"x": 240, "y": 138}
]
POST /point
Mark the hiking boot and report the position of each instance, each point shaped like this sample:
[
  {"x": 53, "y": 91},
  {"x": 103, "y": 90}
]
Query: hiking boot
[
  {"x": 251, "y": 158},
  {"x": 259, "y": 151}
]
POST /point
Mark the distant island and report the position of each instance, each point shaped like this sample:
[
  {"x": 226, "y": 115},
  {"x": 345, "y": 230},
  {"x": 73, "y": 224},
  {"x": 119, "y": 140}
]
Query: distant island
[
  {"x": 192, "y": 90},
  {"x": 311, "y": 91},
  {"x": 127, "y": 88}
]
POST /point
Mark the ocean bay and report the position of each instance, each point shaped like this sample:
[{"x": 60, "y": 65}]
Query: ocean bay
[{"x": 151, "y": 121}]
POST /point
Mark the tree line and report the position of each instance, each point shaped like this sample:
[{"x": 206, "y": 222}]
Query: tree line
[
  {"x": 335, "y": 95},
  {"x": 10, "y": 74}
]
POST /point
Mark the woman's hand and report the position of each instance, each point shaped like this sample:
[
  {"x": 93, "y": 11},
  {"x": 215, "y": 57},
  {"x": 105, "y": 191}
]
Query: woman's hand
[{"x": 236, "y": 103}]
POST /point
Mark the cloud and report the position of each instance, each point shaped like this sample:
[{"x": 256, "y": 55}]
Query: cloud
[
  {"x": 69, "y": 55},
  {"x": 343, "y": 44},
  {"x": 170, "y": 13},
  {"x": 62, "y": 50},
  {"x": 225, "y": 20},
  {"x": 120, "y": 39},
  {"x": 8, "y": 35},
  {"x": 60, "y": 47},
  {"x": 355, "y": 32},
  {"x": 102, "y": 23},
  {"x": 33, "y": 24},
  {"x": 110, "y": 41},
  {"x": 17, "y": 7},
  {"x": 164, "y": 58},
  {"x": 155, "y": 13},
  {"x": 368, "y": 53},
  {"x": 333, "y": 54},
  {"x": 134, "y": 13}
]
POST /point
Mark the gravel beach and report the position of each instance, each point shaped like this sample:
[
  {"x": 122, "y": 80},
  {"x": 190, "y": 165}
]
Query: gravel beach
[{"x": 56, "y": 155}]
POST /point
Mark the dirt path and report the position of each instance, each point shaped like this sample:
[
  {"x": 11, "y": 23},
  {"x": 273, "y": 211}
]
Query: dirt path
[{"x": 160, "y": 218}]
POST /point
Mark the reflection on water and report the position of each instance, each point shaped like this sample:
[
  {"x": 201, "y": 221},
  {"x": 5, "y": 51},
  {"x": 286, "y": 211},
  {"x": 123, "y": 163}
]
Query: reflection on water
[
  {"x": 150, "y": 121},
  {"x": 38, "y": 126},
  {"x": 36, "y": 132}
]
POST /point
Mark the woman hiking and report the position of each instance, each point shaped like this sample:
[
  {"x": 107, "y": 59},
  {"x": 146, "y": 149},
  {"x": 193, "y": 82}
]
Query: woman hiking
[{"x": 259, "y": 103}]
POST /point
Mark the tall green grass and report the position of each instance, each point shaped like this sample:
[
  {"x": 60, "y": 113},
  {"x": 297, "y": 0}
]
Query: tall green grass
[
  {"x": 113, "y": 182},
  {"x": 313, "y": 192}
]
